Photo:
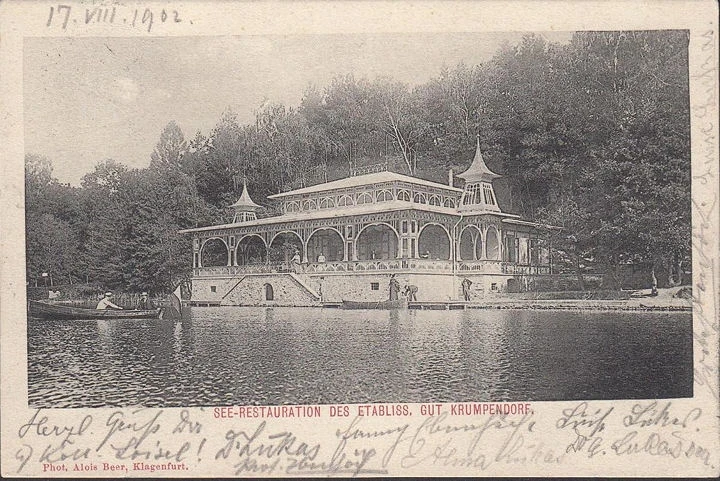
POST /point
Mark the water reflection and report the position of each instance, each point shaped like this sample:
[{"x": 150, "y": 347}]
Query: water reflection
[{"x": 226, "y": 356}]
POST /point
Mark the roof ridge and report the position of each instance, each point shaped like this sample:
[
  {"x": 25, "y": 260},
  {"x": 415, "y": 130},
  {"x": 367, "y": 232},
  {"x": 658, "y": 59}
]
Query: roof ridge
[{"x": 348, "y": 182}]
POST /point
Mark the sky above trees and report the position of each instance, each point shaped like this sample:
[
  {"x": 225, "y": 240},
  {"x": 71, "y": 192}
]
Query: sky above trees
[{"x": 90, "y": 99}]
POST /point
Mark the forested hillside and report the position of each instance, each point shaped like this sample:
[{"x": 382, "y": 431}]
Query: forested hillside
[{"x": 592, "y": 136}]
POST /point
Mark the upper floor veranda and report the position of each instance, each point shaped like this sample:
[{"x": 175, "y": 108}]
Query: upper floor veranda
[{"x": 373, "y": 188}]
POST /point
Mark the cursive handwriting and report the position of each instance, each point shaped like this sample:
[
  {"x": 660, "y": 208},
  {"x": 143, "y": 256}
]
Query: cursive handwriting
[
  {"x": 648, "y": 415},
  {"x": 144, "y": 441},
  {"x": 705, "y": 205},
  {"x": 497, "y": 439},
  {"x": 63, "y": 16},
  {"x": 124, "y": 436},
  {"x": 42, "y": 427},
  {"x": 261, "y": 452},
  {"x": 119, "y": 424},
  {"x": 654, "y": 428},
  {"x": 673, "y": 445},
  {"x": 586, "y": 424},
  {"x": 59, "y": 440}
]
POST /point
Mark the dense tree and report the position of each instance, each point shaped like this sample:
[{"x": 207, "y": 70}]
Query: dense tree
[
  {"x": 53, "y": 224},
  {"x": 171, "y": 148},
  {"x": 158, "y": 204}
]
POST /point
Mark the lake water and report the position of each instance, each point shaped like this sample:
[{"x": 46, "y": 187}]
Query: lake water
[{"x": 270, "y": 356}]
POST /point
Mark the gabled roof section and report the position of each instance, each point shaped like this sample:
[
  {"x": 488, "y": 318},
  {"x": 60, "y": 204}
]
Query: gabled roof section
[
  {"x": 245, "y": 203},
  {"x": 360, "y": 180},
  {"x": 478, "y": 170}
]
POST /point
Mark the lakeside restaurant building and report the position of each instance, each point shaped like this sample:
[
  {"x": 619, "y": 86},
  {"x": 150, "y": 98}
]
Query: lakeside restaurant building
[{"x": 342, "y": 240}]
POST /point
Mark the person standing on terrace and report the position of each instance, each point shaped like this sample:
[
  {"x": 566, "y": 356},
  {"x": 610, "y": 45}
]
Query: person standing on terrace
[
  {"x": 295, "y": 261},
  {"x": 466, "y": 283},
  {"x": 394, "y": 288}
]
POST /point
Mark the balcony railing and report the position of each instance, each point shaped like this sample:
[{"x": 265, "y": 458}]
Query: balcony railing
[
  {"x": 423, "y": 265},
  {"x": 379, "y": 265},
  {"x": 244, "y": 269}
]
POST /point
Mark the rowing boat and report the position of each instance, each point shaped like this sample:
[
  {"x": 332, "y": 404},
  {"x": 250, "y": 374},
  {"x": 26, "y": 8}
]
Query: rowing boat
[
  {"x": 395, "y": 304},
  {"x": 44, "y": 310}
]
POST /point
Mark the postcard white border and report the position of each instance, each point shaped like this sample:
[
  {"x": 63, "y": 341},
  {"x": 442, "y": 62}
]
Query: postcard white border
[{"x": 19, "y": 20}]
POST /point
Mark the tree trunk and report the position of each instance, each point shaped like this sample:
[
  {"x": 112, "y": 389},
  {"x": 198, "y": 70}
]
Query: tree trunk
[
  {"x": 578, "y": 271},
  {"x": 679, "y": 273},
  {"x": 675, "y": 273},
  {"x": 653, "y": 289},
  {"x": 616, "y": 284},
  {"x": 400, "y": 139}
]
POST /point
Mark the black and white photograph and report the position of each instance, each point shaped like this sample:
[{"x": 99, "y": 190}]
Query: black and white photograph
[
  {"x": 442, "y": 241},
  {"x": 358, "y": 218}
]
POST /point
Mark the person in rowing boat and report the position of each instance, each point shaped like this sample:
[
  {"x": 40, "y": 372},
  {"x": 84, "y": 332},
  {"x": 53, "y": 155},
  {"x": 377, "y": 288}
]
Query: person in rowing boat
[
  {"x": 144, "y": 303},
  {"x": 106, "y": 303}
]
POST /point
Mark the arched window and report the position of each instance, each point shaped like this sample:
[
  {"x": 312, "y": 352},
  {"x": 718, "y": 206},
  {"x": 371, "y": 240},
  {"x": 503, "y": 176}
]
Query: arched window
[
  {"x": 250, "y": 250},
  {"x": 269, "y": 292},
  {"x": 488, "y": 194},
  {"x": 471, "y": 196},
  {"x": 419, "y": 198},
  {"x": 327, "y": 203},
  {"x": 469, "y": 239},
  {"x": 384, "y": 196},
  {"x": 344, "y": 200},
  {"x": 309, "y": 204},
  {"x": 326, "y": 243},
  {"x": 434, "y": 242},
  {"x": 214, "y": 253},
  {"x": 492, "y": 244},
  {"x": 403, "y": 195},
  {"x": 435, "y": 200},
  {"x": 364, "y": 198},
  {"x": 284, "y": 246},
  {"x": 377, "y": 242},
  {"x": 449, "y": 202},
  {"x": 291, "y": 207}
]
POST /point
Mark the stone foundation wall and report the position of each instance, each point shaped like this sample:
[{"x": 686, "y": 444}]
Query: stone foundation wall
[
  {"x": 484, "y": 285},
  {"x": 286, "y": 291},
  {"x": 360, "y": 286},
  {"x": 208, "y": 289},
  {"x": 251, "y": 291},
  {"x": 367, "y": 286}
]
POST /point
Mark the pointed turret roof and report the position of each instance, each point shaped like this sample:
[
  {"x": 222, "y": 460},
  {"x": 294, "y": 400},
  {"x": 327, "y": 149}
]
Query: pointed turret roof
[
  {"x": 478, "y": 170},
  {"x": 245, "y": 203}
]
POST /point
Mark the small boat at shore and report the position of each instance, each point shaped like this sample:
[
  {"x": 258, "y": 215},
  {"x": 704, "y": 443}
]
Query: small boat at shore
[
  {"x": 395, "y": 304},
  {"x": 43, "y": 310}
]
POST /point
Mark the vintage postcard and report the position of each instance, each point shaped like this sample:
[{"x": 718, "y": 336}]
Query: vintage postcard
[{"x": 373, "y": 239}]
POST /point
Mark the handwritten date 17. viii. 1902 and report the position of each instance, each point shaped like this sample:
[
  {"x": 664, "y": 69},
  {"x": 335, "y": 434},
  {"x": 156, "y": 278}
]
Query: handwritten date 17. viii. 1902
[{"x": 63, "y": 15}]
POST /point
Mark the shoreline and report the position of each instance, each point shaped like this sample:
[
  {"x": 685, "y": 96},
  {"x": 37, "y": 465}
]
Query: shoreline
[
  {"x": 636, "y": 305},
  {"x": 679, "y": 305}
]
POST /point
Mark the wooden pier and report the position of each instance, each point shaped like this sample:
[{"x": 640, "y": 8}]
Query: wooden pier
[
  {"x": 201, "y": 303},
  {"x": 438, "y": 305}
]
